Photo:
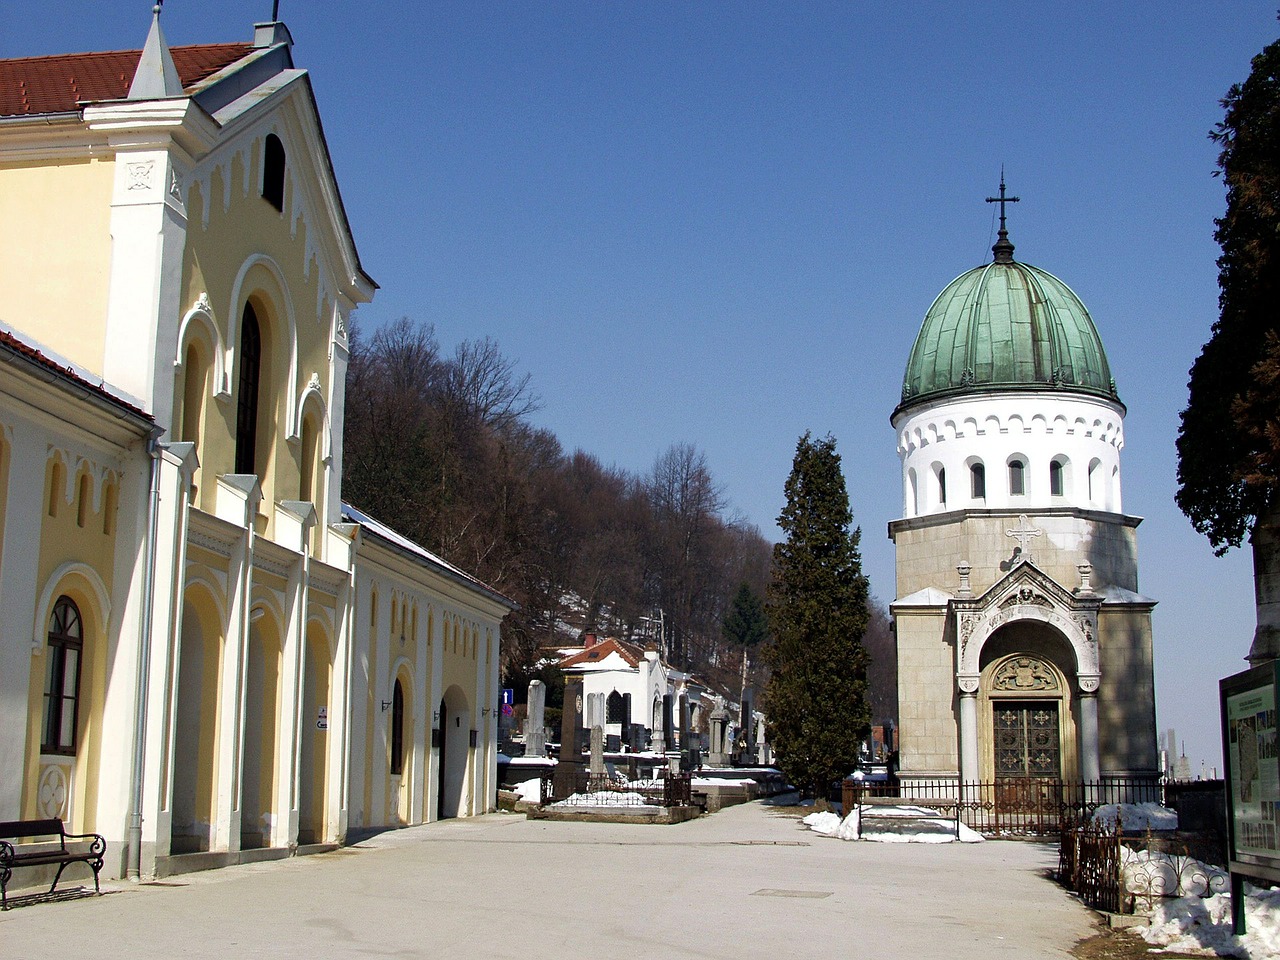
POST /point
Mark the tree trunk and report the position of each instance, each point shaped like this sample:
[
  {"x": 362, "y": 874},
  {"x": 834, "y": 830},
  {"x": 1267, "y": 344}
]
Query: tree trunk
[{"x": 1266, "y": 586}]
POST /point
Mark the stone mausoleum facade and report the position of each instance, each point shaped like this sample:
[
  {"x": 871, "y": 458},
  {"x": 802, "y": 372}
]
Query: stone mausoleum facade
[{"x": 1024, "y": 644}]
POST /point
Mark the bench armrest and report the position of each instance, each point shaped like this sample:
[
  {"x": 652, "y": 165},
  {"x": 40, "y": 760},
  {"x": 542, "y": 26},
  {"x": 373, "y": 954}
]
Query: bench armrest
[
  {"x": 97, "y": 846},
  {"x": 6, "y": 853}
]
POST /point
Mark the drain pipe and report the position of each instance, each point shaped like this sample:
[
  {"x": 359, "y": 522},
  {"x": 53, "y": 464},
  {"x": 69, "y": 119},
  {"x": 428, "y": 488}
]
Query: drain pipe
[{"x": 133, "y": 866}]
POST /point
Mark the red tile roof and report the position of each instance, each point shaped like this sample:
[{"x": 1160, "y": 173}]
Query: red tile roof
[
  {"x": 594, "y": 654},
  {"x": 31, "y": 86},
  {"x": 10, "y": 343}
]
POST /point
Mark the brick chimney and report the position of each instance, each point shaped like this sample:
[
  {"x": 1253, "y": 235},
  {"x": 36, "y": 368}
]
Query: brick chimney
[{"x": 588, "y": 640}]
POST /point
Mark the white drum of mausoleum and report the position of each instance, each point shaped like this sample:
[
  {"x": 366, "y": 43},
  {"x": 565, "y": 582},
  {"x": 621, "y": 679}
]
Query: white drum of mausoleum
[
  {"x": 1007, "y": 401},
  {"x": 1023, "y": 451}
]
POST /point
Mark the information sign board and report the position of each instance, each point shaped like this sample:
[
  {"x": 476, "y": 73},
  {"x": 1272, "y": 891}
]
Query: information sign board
[{"x": 1249, "y": 750}]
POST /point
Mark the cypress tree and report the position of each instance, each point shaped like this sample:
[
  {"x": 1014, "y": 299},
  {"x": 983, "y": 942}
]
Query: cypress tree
[
  {"x": 745, "y": 625},
  {"x": 816, "y": 699}
]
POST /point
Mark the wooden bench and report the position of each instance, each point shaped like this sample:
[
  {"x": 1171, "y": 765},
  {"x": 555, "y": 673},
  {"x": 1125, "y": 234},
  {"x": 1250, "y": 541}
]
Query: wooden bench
[{"x": 46, "y": 854}]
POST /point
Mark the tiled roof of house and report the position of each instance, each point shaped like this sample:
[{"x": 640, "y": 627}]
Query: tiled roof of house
[
  {"x": 69, "y": 374},
  {"x": 32, "y": 86},
  {"x": 598, "y": 652}
]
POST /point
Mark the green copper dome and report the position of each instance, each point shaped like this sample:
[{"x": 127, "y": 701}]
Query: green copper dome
[{"x": 1006, "y": 326}]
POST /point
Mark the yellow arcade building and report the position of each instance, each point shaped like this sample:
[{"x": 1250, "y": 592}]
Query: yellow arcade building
[{"x": 204, "y": 654}]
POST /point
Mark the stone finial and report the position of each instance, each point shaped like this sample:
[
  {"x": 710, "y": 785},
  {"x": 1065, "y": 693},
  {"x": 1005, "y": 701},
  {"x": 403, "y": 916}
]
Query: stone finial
[
  {"x": 965, "y": 591},
  {"x": 1086, "y": 576}
]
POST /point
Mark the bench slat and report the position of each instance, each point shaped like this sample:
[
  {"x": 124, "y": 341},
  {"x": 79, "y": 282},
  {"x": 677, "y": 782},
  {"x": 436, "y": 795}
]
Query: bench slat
[{"x": 32, "y": 828}]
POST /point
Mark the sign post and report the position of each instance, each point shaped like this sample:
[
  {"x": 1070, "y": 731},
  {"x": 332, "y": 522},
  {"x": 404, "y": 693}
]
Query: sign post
[{"x": 1249, "y": 750}]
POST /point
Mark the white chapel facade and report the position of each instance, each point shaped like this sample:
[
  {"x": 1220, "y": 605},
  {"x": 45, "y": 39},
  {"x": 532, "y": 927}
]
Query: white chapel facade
[{"x": 1024, "y": 645}]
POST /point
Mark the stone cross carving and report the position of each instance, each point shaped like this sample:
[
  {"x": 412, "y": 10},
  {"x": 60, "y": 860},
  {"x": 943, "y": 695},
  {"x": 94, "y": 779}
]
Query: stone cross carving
[{"x": 1024, "y": 533}]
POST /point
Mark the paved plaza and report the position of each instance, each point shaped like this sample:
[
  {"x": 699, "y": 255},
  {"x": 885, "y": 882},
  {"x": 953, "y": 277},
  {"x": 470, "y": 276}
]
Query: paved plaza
[{"x": 743, "y": 883}]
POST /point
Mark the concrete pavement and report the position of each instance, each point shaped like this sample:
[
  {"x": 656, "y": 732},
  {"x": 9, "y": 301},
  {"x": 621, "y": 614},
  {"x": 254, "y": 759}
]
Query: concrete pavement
[{"x": 746, "y": 882}]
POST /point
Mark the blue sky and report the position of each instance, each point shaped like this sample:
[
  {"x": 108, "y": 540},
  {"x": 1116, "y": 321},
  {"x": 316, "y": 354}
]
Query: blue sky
[{"x": 723, "y": 223}]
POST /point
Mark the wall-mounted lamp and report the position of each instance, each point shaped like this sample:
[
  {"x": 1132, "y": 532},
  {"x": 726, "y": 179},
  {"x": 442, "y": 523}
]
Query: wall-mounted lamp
[
  {"x": 385, "y": 705},
  {"x": 435, "y": 716}
]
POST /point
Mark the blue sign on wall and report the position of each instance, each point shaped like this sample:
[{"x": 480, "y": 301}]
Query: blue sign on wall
[{"x": 508, "y": 697}]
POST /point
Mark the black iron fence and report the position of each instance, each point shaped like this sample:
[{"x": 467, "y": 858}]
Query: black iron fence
[
  {"x": 1089, "y": 863},
  {"x": 603, "y": 790},
  {"x": 1016, "y": 807},
  {"x": 1117, "y": 872}
]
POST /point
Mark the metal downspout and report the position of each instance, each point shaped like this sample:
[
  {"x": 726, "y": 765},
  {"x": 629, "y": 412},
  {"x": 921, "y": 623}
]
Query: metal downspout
[{"x": 133, "y": 867}]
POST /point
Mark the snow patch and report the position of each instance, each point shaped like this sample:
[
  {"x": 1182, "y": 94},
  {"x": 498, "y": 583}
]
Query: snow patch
[
  {"x": 1203, "y": 926},
  {"x": 904, "y": 824},
  {"x": 1137, "y": 816}
]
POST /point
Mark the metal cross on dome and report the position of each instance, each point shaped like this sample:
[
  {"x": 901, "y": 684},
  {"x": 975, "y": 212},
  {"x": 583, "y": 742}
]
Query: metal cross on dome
[
  {"x": 1003, "y": 249},
  {"x": 1024, "y": 533},
  {"x": 1002, "y": 200}
]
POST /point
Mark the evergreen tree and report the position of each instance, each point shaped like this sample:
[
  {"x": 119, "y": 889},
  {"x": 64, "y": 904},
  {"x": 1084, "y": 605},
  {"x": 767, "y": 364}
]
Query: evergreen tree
[
  {"x": 745, "y": 625},
  {"x": 816, "y": 699},
  {"x": 1229, "y": 440}
]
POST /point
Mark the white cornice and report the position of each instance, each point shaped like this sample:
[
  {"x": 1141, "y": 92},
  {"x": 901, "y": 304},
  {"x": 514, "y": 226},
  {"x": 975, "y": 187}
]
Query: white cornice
[{"x": 154, "y": 123}]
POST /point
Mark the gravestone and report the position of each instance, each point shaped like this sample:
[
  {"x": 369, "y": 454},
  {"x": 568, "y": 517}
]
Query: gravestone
[
  {"x": 535, "y": 731},
  {"x": 718, "y": 757},
  {"x": 566, "y": 775},
  {"x": 597, "y": 750}
]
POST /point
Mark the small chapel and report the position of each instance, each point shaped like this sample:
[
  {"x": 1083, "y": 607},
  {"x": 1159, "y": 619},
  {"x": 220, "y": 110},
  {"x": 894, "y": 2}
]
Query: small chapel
[{"x": 1024, "y": 644}]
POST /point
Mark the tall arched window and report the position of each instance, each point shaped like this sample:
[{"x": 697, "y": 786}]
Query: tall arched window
[
  {"x": 273, "y": 172},
  {"x": 56, "y": 482},
  {"x": 194, "y": 372},
  {"x": 397, "y": 730},
  {"x": 307, "y": 485},
  {"x": 62, "y": 679},
  {"x": 247, "y": 405},
  {"x": 978, "y": 481},
  {"x": 942, "y": 486},
  {"x": 1056, "y": 485},
  {"x": 1017, "y": 478}
]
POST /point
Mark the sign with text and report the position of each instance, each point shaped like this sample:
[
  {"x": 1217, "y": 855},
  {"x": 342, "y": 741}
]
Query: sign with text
[
  {"x": 1249, "y": 749},
  {"x": 322, "y": 719}
]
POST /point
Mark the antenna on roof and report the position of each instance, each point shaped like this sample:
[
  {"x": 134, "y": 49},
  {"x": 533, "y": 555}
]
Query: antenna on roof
[{"x": 1002, "y": 248}]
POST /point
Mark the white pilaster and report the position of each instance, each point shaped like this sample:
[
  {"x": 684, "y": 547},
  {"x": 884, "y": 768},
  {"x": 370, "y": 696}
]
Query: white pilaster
[
  {"x": 970, "y": 771},
  {"x": 1090, "y": 767},
  {"x": 178, "y": 463},
  {"x": 436, "y": 687},
  {"x": 238, "y": 496}
]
